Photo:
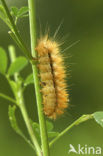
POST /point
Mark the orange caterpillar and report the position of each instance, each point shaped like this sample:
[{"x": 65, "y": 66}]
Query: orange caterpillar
[{"x": 52, "y": 75}]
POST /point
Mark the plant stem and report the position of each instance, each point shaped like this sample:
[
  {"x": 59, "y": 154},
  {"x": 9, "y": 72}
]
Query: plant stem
[
  {"x": 43, "y": 131},
  {"x": 15, "y": 31},
  {"x": 27, "y": 122},
  {"x": 83, "y": 118},
  {"x": 21, "y": 104},
  {"x": 8, "y": 98}
]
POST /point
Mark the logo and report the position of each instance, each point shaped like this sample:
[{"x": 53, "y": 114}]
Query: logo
[{"x": 85, "y": 150}]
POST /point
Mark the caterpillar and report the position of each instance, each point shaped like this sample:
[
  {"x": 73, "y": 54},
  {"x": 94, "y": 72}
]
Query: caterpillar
[{"x": 52, "y": 76}]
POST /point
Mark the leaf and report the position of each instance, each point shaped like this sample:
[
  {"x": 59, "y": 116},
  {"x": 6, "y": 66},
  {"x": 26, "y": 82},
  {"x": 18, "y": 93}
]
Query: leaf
[
  {"x": 14, "y": 124},
  {"x": 29, "y": 80},
  {"x": 49, "y": 125},
  {"x": 3, "y": 61},
  {"x": 12, "y": 119},
  {"x": 22, "y": 11},
  {"x": 52, "y": 134},
  {"x": 98, "y": 116},
  {"x": 36, "y": 129},
  {"x": 19, "y": 12},
  {"x": 17, "y": 65},
  {"x": 23, "y": 16},
  {"x": 14, "y": 11},
  {"x": 35, "y": 126},
  {"x": 13, "y": 86}
]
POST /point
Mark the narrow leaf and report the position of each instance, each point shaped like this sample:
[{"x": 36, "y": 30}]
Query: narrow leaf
[
  {"x": 12, "y": 119},
  {"x": 22, "y": 11},
  {"x": 3, "y": 61},
  {"x": 52, "y": 134},
  {"x": 23, "y": 16},
  {"x": 98, "y": 116},
  {"x": 29, "y": 80},
  {"x": 15, "y": 126},
  {"x": 17, "y": 65},
  {"x": 13, "y": 86}
]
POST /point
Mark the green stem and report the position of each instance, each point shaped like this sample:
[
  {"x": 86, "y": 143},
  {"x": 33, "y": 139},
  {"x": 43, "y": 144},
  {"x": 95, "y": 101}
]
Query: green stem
[
  {"x": 8, "y": 98},
  {"x": 83, "y": 118},
  {"x": 21, "y": 104},
  {"x": 27, "y": 122},
  {"x": 16, "y": 33},
  {"x": 43, "y": 131}
]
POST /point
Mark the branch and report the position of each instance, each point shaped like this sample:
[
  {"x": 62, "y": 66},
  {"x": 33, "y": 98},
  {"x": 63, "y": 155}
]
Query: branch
[
  {"x": 8, "y": 98},
  {"x": 14, "y": 30},
  {"x": 21, "y": 104},
  {"x": 83, "y": 118},
  {"x": 43, "y": 131}
]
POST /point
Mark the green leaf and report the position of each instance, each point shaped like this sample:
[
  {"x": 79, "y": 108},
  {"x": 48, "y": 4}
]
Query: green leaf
[
  {"x": 35, "y": 126},
  {"x": 36, "y": 129},
  {"x": 23, "y": 16},
  {"x": 98, "y": 116},
  {"x": 14, "y": 11},
  {"x": 52, "y": 134},
  {"x": 22, "y": 11},
  {"x": 14, "y": 124},
  {"x": 29, "y": 80},
  {"x": 12, "y": 119},
  {"x": 49, "y": 126},
  {"x": 3, "y": 61},
  {"x": 19, "y": 13},
  {"x": 13, "y": 86},
  {"x": 17, "y": 65}
]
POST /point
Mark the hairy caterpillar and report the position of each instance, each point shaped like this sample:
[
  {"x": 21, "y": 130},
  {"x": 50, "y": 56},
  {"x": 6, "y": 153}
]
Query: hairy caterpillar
[{"x": 52, "y": 76}]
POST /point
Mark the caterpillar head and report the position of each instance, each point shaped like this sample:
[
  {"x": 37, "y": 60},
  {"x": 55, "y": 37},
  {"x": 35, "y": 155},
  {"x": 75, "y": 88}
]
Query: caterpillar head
[
  {"x": 42, "y": 46},
  {"x": 45, "y": 45}
]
